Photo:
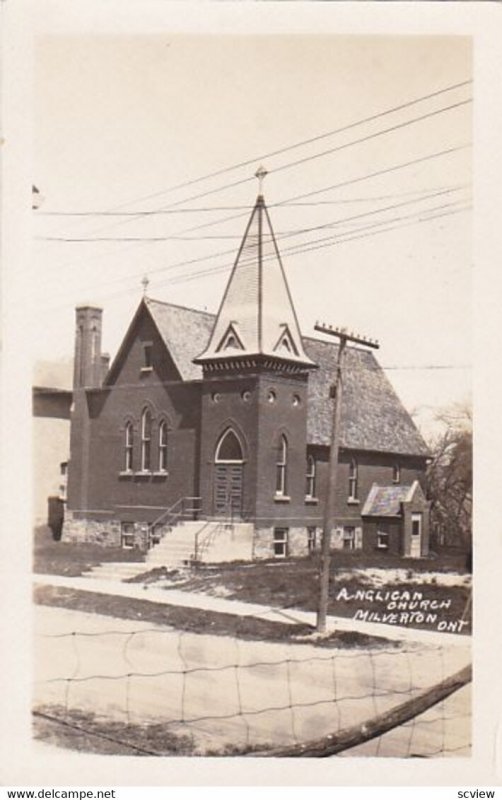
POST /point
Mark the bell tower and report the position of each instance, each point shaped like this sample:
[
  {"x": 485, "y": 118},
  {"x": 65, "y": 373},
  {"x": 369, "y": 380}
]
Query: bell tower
[{"x": 255, "y": 377}]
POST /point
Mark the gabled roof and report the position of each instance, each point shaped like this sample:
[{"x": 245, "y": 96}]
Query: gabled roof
[
  {"x": 373, "y": 418},
  {"x": 385, "y": 501},
  {"x": 257, "y": 304},
  {"x": 185, "y": 332}
]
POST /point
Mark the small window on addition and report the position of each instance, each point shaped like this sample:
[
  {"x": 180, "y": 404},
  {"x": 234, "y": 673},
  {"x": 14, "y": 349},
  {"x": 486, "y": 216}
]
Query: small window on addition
[
  {"x": 349, "y": 537},
  {"x": 147, "y": 357},
  {"x": 396, "y": 473},
  {"x": 311, "y": 539},
  {"x": 127, "y": 535},
  {"x": 382, "y": 540},
  {"x": 281, "y": 542}
]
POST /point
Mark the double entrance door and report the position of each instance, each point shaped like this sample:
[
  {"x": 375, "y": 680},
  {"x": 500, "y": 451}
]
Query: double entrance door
[{"x": 228, "y": 490}]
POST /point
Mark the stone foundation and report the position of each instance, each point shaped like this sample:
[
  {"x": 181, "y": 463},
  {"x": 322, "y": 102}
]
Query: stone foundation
[
  {"x": 108, "y": 533},
  {"x": 264, "y": 545}
]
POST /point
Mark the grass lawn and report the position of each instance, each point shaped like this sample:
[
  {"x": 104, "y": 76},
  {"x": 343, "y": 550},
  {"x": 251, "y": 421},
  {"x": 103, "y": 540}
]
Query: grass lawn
[
  {"x": 84, "y": 731},
  {"x": 294, "y": 583},
  {"x": 288, "y": 583},
  {"x": 195, "y": 620},
  {"x": 72, "y": 559}
]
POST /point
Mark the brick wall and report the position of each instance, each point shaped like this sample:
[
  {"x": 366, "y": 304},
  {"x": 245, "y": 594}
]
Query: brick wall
[
  {"x": 372, "y": 468},
  {"x": 370, "y": 536},
  {"x": 96, "y": 479},
  {"x": 243, "y": 403}
]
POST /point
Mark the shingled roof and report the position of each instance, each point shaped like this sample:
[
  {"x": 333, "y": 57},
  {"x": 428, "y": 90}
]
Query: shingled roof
[
  {"x": 386, "y": 501},
  {"x": 185, "y": 332},
  {"x": 373, "y": 418}
]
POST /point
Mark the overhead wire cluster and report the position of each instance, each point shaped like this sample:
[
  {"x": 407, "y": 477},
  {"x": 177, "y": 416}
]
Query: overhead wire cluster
[{"x": 378, "y": 219}]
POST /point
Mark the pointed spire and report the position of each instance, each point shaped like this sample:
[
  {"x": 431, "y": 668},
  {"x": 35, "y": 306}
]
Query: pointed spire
[{"x": 256, "y": 315}]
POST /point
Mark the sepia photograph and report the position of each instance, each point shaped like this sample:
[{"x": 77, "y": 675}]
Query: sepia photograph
[
  {"x": 250, "y": 384},
  {"x": 252, "y": 395}
]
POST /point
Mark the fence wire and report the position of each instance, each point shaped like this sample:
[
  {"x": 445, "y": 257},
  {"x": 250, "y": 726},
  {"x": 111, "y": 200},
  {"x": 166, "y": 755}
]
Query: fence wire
[{"x": 241, "y": 696}]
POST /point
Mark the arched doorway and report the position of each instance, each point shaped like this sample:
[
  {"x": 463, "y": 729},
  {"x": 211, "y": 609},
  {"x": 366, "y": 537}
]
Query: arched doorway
[{"x": 228, "y": 470}]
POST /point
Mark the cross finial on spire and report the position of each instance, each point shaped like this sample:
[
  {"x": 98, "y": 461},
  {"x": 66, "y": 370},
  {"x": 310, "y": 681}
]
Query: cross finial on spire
[
  {"x": 261, "y": 173},
  {"x": 144, "y": 283}
]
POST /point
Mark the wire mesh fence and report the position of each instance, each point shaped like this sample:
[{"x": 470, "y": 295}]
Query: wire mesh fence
[{"x": 235, "y": 696}]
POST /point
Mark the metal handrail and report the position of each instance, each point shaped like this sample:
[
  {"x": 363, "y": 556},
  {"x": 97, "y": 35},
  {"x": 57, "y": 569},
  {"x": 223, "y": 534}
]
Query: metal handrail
[
  {"x": 228, "y": 519},
  {"x": 176, "y": 512},
  {"x": 197, "y": 548},
  {"x": 181, "y": 501}
]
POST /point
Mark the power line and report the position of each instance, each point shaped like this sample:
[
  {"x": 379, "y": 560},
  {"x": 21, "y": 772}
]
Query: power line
[
  {"x": 296, "y": 145},
  {"x": 332, "y": 187},
  {"x": 341, "y": 184},
  {"x": 333, "y": 241},
  {"x": 202, "y": 209},
  {"x": 296, "y": 251},
  {"x": 313, "y": 157},
  {"x": 279, "y": 236},
  {"x": 287, "y": 250},
  {"x": 306, "y": 247},
  {"x": 300, "y": 249}
]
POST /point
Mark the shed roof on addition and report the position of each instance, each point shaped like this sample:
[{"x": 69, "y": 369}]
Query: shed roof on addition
[{"x": 385, "y": 501}]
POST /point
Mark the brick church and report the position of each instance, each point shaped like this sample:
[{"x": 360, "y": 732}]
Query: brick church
[{"x": 216, "y": 428}]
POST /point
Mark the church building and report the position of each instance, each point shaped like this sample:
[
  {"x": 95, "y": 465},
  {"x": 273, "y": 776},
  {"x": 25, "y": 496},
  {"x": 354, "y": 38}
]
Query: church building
[{"x": 214, "y": 430}]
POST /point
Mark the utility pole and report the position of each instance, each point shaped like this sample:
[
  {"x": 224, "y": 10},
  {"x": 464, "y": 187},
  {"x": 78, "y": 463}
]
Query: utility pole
[{"x": 329, "y": 507}]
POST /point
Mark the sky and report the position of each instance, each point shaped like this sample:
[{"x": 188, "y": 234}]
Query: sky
[{"x": 121, "y": 121}]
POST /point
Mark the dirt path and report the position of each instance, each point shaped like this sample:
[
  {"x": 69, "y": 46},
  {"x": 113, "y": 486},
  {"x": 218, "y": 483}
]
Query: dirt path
[
  {"x": 222, "y": 605},
  {"x": 226, "y": 692}
]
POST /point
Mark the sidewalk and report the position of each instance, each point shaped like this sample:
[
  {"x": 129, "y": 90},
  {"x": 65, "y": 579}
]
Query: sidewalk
[{"x": 220, "y": 605}]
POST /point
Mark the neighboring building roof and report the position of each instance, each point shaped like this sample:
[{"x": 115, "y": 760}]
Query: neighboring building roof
[
  {"x": 373, "y": 418},
  {"x": 256, "y": 315},
  {"x": 49, "y": 402},
  {"x": 385, "y": 501}
]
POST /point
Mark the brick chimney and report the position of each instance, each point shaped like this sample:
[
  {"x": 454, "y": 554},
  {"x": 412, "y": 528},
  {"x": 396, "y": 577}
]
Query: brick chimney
[{"x": 88, "y": 364}]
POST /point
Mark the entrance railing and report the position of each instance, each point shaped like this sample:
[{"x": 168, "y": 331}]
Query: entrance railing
[
  {"x": 206, "y": 535},
  {"x": 185, "y": 508}
]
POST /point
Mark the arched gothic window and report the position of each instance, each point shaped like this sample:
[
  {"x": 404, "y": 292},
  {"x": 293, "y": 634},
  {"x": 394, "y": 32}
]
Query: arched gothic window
[
  {"x": 311, "y": 477},
  {"x": 146, "y": 441},
  {"x": 163, "y": 438},
  {"x": 129, "y": 443},
  {"x": 229, "y": 448},
  {"x": 281, "y": 482},
  {"x": 353, "y": 479}
]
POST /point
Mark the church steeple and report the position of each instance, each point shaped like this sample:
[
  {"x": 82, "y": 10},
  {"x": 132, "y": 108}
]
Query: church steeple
[{"x": 257, "y": 319}]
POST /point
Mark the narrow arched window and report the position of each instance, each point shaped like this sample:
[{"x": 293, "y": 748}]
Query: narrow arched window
[
  {"x": 311, "y": 476},
  {"x": 353, "y": 479},
  {"x": 163, "y": 447},
  {"x": 146, "y": 441},
  {"x": 396, "y": 473},
  {"x": 281, "y": 480},
  {"x": 129, "y": 443}
]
